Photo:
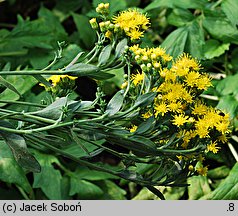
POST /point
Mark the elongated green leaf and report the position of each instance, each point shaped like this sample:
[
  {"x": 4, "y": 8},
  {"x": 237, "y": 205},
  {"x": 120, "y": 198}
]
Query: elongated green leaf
[
  {"x": 54, "y": 110},
  {"x": 49, "y": 179},
  {"x": 176, "y": 41},
  {"x": 120, "y": 48},
  {"x": 227, "y": 190},
  {"x": 8, "y": 85},
  {"x": 218, "y": 172},
  {"x": 115, "y": 103},
  {"x": 105, "y": 55},
  {"x": 230, "y": 8},
  {"x": 145, "y": 99},
  {"x": 42, "y": 80},
  {"x": 10, "y": 171},
  {"x": 82, "y": 69}
]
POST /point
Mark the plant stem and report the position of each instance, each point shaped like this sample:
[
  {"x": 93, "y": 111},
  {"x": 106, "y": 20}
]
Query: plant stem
[{"x": 22, "y": 103}]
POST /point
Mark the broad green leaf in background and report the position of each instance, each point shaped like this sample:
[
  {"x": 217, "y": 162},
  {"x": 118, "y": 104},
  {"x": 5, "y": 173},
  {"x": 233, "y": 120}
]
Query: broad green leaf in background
[
  {"x": 213, "y": 48},
  {"x": 176, "y": 3},
  {"x": 111, "y": 191},
  {"x": 219, "y": 27},
  {"x": 230, "y": 8},
  {"x": 218, "y": 172},
  {"x": 87, "y": 35},
  {"x": 195, "y": 41},
  {"x": 175, "y": 42},
  {"x": 10, "y": 171},
  {"x": 198, "y": 187},
  {"x": 180, "y": 17},
  {"x": 84, "y": 189},
  {"x": 104, "y": 55},
  {"x": 49, "y": 179},
  {"x": 229, "y": 85},
  {"x": 227, "y": 190}
]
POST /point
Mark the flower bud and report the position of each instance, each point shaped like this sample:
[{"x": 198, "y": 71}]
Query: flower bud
[{"x": 93, "y": 23}]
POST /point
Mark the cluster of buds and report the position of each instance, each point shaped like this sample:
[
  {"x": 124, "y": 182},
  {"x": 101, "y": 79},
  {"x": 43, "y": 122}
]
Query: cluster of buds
[{"x": 103, "y": 8}]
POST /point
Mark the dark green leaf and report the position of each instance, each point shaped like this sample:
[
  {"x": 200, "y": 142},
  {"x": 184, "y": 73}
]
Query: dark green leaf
[
  {"x": 229, "y": 104},
  {"x": 227, "y": 190},
  {"x": 145, "y": 126},
  {"x": 213, "y": 48},
  {"x": 115, "y": 103},
  {"x": 120, "y": 48},
  {"x": 104, "y": 55},
  {"x": 230, "y": 8},
  {"x": 49, "y": 179},
  {"x": 10, "y": 171},
  {"x": 145, "y": 99}
]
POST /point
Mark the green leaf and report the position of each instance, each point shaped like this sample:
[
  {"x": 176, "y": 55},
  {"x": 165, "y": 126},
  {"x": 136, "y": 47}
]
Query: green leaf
[
  {"x": 219, "y": 27},
  {"x": 199, "y": 187},
  {"x": 115, "y": 103},
  {"x": 177, "y": 3},
  {"x": 104, "y": 55},
  {"x": 145, "y": 99},
  {"x": 111, "y": 191},
  {"x": 19, "y": 150},
  {"x": 54, "y": 110},
  {"x": 175, "y": 42},
  {"x": 218, "y": 172},
  {"x": 42, "y": 80},
  {"x": 120, "y": 48},
  {"x": 8, "y": 85},
  {"x": 195, "y": 41},
  {"x": 230, "y": 8},
  {"x": 228, "y": 85},
  {"x": 227, "y": 190},
  {"x": 49, "y": 179},
  {"x": 10, "y": 171},
  {"x": 213, "y": 48},
  {"x": 21, "y": 83},
  {"x": 84, "y": 189},
  {"x": 82, "y": 69},
  {"x": 87, "y": 34},
  {"x": 180, "y": 17},
  {"x": 229, "y": 104}
]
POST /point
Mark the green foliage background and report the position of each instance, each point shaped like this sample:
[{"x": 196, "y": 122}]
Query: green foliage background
[{"x": 29, "y": 34}]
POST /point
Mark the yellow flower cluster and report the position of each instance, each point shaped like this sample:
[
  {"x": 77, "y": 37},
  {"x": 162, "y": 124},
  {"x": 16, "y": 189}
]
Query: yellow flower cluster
[
  {"x": 55, "y": 79},
  {"x": 132, "y": 22}
]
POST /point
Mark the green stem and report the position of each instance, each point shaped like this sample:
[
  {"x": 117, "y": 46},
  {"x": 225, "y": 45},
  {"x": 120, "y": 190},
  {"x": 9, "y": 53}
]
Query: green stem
[
  {"x": 23, "y": 193},
  {"x": 22, "y": 103}
]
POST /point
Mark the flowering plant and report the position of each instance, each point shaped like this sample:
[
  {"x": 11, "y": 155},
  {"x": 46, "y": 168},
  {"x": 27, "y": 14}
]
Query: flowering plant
[{"x": 156, "y": 124}]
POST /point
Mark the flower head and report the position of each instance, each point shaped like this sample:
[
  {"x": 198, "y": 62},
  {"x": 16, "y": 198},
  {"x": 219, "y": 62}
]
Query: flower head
[{"x": 132, "y": 22}]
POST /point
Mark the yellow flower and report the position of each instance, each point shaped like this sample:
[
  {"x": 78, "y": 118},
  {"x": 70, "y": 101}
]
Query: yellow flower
[
  {"x": 213, "y": 148},
  {"x": 192, "y": 78},
  {"x": 133, "y": 128},
  {"x": 147, "y": 115},
  {"x": 132, "y": 22},
  {"x": 199, "y": 109},
  {"x": 175, "y": 107},
  {"x": 204, "y": 82},
  {"x": 202, "y": 128},
  {"x": 180, "y": 120},
  {"x": 137, "y": 78},
  {"x": 160, "y": 108},
  {"x": 202, "y": 171},
  {"x": 223, "y": 139},
  {"x": 55, "y": 79}
]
